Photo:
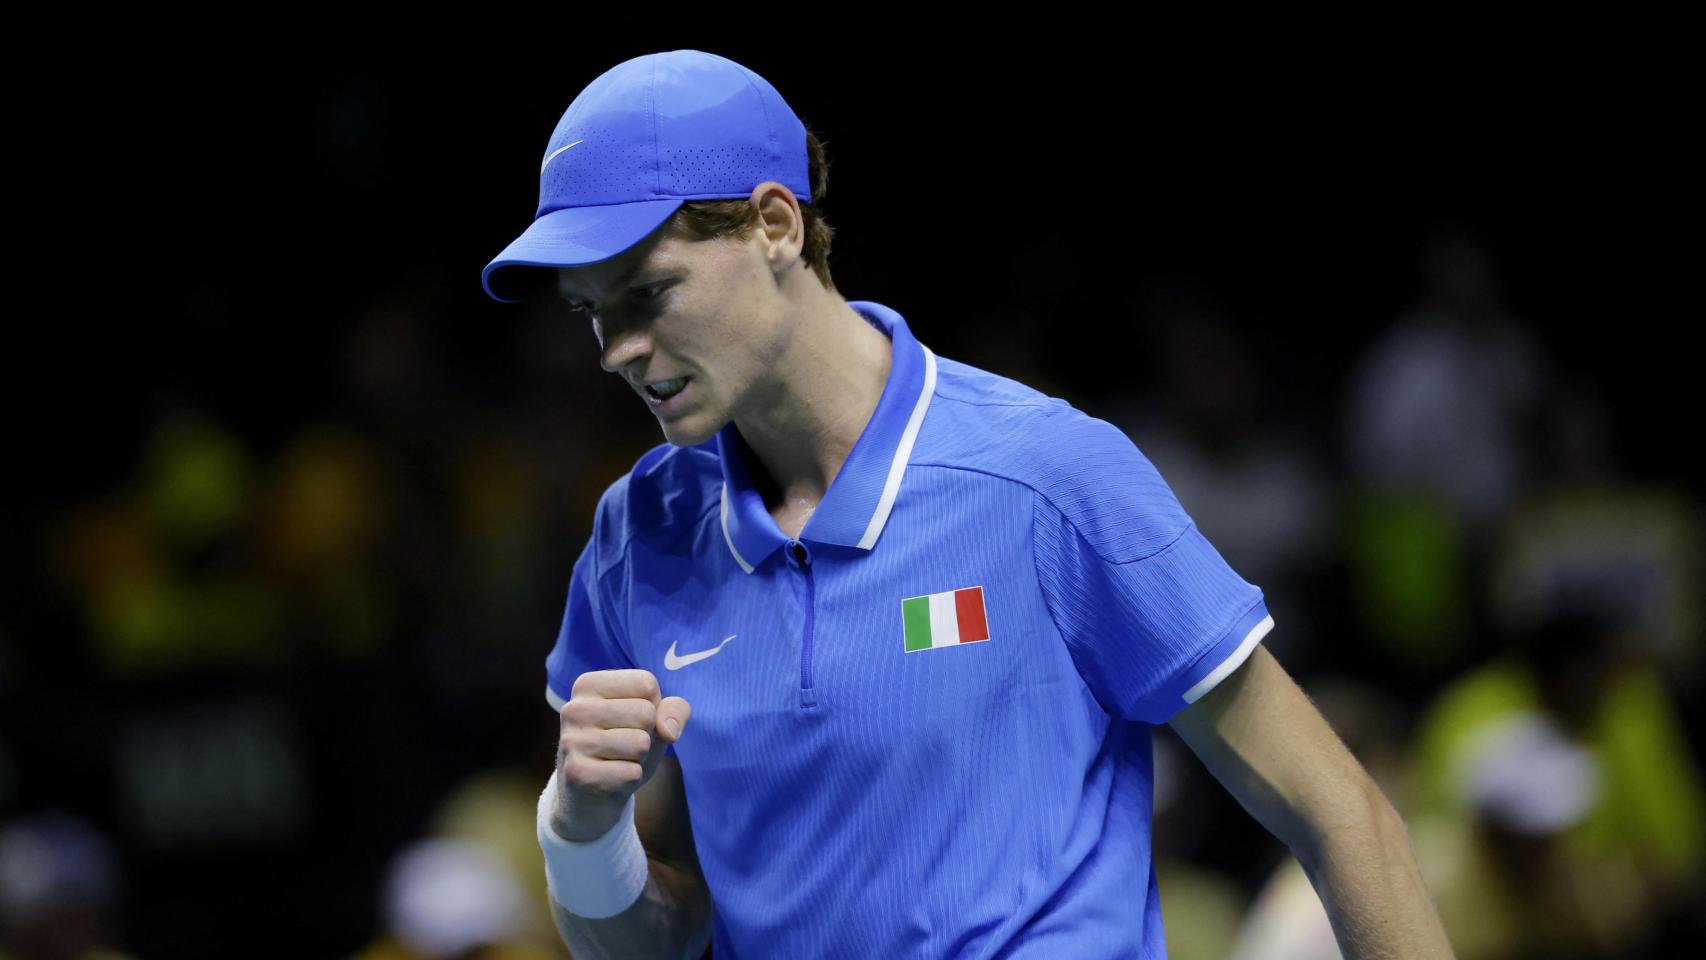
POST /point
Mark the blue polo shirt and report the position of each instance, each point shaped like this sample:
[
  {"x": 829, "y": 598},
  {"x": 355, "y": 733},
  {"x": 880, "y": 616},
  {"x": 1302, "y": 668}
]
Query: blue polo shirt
[{"x": 922, "y": 729}]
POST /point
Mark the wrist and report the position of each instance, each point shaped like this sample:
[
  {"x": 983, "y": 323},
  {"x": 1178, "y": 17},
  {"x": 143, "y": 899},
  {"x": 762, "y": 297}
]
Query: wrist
[
  {"x": 597, "y": 878},
  {"x": 591, "y": 820}
]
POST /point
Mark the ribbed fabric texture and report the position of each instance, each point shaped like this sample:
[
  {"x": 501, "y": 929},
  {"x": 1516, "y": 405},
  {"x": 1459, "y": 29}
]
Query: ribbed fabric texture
[
  {"x": 1135, "y": 628},
  {"x": 979, "y": 800}
]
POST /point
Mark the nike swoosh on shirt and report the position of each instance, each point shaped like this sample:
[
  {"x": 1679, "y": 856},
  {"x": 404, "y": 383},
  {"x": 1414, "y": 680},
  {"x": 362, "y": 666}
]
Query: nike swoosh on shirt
[{"x": 673, "y": 662}]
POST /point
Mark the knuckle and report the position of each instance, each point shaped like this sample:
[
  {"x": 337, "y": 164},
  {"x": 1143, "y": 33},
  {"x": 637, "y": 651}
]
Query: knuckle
[
  {"x": 578, "y": 712},
  {"x": 575, "y": 770},
  {"x": 573, "y": 741},
  {"x": 634, "y": 743}
]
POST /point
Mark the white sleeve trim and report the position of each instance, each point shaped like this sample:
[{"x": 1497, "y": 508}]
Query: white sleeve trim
[
  {"x": 1232, "y": 662},
  {"x": 557, "y": 703}
]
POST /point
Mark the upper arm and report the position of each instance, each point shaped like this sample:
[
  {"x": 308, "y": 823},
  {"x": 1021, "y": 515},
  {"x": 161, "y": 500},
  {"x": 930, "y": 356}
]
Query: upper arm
[
  {"x": 660, "y": 817},
  {"x": 1272, "y": 750},
  {"x": 589, "y": 638},
  {"x": 1149, "y": 610}
]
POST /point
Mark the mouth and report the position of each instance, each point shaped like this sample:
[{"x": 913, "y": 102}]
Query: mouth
[{"x": 665, "y": 395}]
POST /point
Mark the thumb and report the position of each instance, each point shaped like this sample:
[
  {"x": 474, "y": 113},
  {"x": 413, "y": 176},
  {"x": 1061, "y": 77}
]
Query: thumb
[{"x": 672, "y": 718}]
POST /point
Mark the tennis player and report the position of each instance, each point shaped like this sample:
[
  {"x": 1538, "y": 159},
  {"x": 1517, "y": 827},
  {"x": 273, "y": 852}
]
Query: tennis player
[{"x": 864, "y": 660}]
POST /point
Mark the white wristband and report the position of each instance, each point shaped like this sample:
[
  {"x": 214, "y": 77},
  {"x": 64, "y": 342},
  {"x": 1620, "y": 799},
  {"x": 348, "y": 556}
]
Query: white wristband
[{"x": 596, "y": 878}]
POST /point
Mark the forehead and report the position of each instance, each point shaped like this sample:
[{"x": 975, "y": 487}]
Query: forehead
[{"x": 651, "y": 256}]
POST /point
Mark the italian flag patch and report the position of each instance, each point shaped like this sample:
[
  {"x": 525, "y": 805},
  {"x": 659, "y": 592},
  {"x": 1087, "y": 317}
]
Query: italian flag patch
[{"x": 944, "y": 619}]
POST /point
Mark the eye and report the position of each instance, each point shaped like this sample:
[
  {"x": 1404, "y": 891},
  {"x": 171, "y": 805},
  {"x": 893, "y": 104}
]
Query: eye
[
  {"x": 650, "y": 291},
  {"x": 650, "y": 294}
]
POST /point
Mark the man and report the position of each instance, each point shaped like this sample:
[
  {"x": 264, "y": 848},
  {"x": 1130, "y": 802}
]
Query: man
[{"x": 864, "y": 660}]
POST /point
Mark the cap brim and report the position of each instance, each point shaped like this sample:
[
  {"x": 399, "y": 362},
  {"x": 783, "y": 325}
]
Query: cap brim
[{"x": 571, "y": 237}]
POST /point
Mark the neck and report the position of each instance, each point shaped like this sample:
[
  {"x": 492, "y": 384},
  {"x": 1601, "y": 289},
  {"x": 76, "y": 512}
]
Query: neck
[{"x": 802, "y": 431}]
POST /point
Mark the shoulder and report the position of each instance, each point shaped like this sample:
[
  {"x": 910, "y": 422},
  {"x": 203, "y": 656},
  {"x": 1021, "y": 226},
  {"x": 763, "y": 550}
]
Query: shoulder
[
  {"x": 1081, "y": 467},
  {"x": 663, "y": 496}
]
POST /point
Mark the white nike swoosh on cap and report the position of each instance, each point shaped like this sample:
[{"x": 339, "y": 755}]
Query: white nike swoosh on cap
[
  {"x": 673, "y": 662},
  {"x": 553, "y": 155}
]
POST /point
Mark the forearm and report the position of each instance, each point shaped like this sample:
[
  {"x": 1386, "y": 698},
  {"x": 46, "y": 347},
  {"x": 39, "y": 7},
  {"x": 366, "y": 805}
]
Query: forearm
[
  {"x": 670, "y": 921},
  {"x": 1361, "y": 865}
]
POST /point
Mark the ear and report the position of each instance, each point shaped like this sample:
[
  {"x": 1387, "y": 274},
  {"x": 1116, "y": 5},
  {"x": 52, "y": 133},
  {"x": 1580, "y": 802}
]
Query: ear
[{"x": 783, "y": 225}]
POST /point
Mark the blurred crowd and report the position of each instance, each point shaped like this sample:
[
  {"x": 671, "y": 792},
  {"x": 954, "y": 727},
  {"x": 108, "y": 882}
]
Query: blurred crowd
[{"x": 287, "y": 692}]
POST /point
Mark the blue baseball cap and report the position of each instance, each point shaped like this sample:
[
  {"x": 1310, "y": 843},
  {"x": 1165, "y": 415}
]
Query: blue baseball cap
[{"x": 647, "y": 135}]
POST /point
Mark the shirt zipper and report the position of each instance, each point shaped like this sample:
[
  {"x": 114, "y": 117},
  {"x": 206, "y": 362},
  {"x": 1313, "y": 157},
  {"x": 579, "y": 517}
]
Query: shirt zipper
[{"x": 803, "y": 563}]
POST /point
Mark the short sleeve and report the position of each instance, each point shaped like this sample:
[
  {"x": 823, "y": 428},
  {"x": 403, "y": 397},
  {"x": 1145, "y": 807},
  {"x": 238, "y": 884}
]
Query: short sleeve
[
  {"x": 1152, "y": 614},
  {"x": 586, "y": 640}
]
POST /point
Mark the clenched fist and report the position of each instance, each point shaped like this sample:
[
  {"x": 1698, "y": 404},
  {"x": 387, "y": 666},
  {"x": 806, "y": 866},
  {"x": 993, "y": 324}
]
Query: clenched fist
[{"x": 614, "y": 731}]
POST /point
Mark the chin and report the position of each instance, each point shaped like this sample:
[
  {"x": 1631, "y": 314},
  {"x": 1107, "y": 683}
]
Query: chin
[{"x": 688, "y": 434}]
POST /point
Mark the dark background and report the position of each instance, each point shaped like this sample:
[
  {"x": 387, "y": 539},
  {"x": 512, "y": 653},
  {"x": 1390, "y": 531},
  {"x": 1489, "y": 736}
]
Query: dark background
[{"x": 279, "y": 235}]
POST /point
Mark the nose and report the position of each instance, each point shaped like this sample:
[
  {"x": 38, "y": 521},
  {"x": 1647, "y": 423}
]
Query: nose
[{"x": 622, "y": 343}]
